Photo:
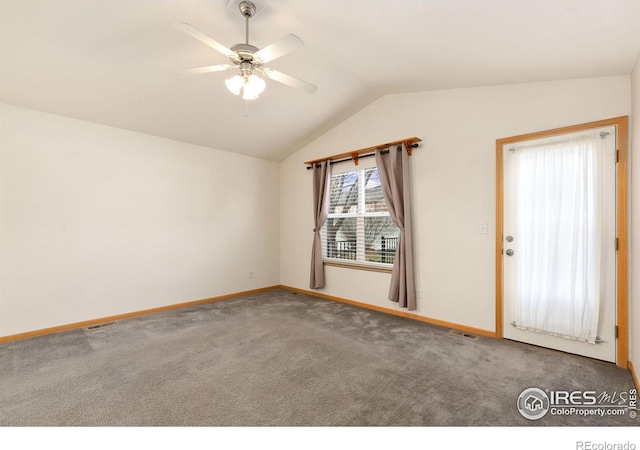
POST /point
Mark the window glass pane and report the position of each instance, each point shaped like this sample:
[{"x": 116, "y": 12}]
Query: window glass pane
[
  {"x": 380, "y": 239},
  {"x": 341, "y": 237},
  {"x": 344, "y": 193},
  {"x": 367, "y": 235},
  {"x": 373, "y": 196}
]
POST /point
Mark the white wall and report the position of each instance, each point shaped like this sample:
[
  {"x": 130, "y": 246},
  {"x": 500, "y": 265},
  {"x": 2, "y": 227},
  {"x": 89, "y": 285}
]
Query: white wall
[
  {"x": 97, "y": 221},
  {"x": 454, "y": 185},
  {"x": 634, "y": 310}
]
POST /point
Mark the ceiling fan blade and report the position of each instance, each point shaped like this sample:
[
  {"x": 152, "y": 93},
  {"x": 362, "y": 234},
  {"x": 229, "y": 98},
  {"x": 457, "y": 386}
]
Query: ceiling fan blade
[
  {"x": 199, "y": 35},
  {"x": 280, "y": 47},
  {"x": 207, "y": 69},
  {"x": 289, "y": 80}
]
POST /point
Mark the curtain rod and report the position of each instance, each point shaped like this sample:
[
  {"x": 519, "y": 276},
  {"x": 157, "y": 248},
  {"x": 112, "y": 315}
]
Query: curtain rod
[{"x": 410, "y": 143}]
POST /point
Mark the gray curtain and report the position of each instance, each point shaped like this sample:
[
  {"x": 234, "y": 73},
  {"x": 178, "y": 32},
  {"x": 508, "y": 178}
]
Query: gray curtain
[
  {"x": 393, "y": 168},
  {"x": 321, "y": 191}
]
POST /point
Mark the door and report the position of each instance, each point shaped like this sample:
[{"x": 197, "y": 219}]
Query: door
[{"x": 559, "y": 242}]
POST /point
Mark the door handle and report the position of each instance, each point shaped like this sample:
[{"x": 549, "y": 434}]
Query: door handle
[{"x": 509, "y": 252}]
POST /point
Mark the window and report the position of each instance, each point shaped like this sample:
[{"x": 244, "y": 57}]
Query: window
[{"x": 358, "y": 228}]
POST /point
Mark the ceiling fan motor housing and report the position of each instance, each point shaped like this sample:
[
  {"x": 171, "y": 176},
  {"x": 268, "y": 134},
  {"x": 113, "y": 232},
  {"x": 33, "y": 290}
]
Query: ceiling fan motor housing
[{"x": 245, "y": 52}]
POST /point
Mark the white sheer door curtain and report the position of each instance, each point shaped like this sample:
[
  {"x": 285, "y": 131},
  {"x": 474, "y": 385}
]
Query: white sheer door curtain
[{"x": 558, "y": 224}]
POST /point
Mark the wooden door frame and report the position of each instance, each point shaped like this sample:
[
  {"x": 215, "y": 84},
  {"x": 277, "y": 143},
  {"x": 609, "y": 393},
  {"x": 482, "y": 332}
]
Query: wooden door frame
[{"x": 621, "y": 124}]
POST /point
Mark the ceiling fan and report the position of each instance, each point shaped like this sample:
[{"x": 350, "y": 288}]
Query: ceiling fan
[{"x": 249, "y": 59}]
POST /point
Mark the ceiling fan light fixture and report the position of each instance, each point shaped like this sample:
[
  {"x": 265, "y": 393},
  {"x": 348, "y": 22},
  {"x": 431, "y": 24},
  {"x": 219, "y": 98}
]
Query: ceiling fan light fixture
[
  {"x": 253, "y": 87},
  {"x": 234, "y": 84},
  {"x": 249, "y": 96}
]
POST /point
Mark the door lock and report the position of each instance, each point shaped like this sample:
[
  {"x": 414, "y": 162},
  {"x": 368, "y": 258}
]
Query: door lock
[{"x": 509, "y": 252}]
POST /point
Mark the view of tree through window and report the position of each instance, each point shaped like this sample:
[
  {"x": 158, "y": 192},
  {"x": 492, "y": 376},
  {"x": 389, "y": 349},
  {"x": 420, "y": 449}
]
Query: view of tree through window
[{"x": 358, "y": 227}]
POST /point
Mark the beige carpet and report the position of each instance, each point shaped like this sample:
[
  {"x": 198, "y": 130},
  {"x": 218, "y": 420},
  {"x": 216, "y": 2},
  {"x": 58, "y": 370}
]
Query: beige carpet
[{"x": 284, "y": 359}]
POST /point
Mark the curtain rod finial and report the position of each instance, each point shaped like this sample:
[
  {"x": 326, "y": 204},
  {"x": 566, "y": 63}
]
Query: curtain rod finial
[{"x": 410, "y": 146}]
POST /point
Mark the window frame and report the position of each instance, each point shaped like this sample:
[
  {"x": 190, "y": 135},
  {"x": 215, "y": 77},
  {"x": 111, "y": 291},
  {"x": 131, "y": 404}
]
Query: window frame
[{"x": 360, "y": 216}]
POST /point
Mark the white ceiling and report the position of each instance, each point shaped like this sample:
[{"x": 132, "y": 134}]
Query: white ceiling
[{"x": 117, "y": 62}]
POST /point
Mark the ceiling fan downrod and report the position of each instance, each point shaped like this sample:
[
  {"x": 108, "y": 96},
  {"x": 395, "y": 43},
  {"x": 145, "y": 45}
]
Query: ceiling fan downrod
[{"x": 248, "y": 10}]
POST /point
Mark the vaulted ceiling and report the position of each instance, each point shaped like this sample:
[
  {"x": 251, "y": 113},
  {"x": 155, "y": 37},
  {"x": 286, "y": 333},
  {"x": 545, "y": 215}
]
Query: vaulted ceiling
[{"x": 118, "y": 62}]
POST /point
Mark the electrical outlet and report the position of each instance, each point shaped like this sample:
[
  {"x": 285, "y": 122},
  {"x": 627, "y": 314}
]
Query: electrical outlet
[
  {"x": 251, "y": 274},
  {"x": 418, "y": 293}
]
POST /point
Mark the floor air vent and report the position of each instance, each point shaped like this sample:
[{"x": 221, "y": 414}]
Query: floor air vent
[
  {"x": 100, "y": 325},
  {"x": 462, "y": 334}
]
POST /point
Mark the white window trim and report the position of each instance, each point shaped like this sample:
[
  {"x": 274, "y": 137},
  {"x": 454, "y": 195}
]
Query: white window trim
[{"x": 360, "y": 262}]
